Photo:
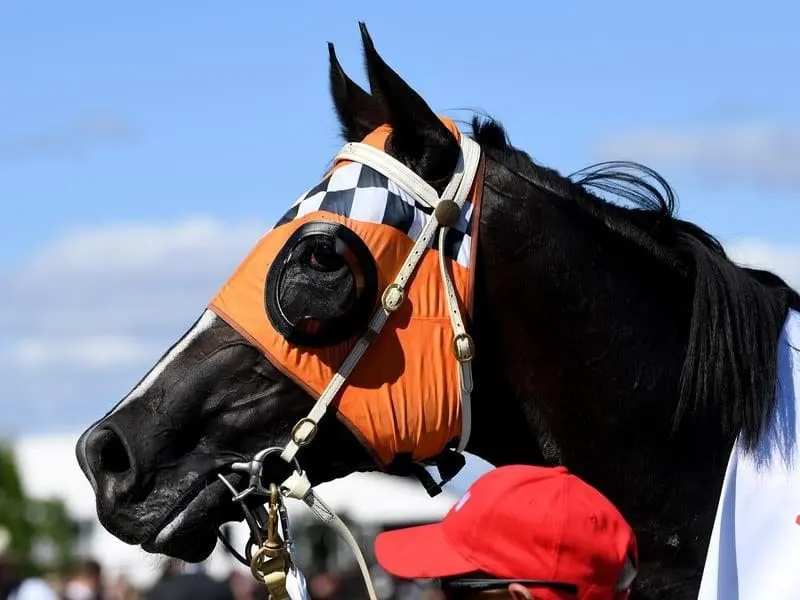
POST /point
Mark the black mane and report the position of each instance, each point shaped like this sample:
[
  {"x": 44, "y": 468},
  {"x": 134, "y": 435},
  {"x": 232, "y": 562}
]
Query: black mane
[{"x": 737, "y": 313}]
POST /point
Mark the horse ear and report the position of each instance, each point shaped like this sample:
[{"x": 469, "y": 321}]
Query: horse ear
[
  {"x": 419, "y": 138},
  {"x": 358, "y": 112}
]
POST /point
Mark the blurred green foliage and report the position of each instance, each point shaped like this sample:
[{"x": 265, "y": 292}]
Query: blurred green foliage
[{"x": 34, "y": 524}]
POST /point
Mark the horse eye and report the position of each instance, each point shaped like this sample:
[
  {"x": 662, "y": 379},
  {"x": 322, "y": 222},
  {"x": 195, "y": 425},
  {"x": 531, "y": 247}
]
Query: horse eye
[{"x": 323, "y": 257}]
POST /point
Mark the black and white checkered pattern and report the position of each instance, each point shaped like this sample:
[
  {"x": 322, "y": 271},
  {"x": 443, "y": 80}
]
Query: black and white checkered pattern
[{"x": 361, "y": 193}]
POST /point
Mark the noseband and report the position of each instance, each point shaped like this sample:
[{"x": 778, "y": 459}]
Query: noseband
[{"x": 273, "y": 556}]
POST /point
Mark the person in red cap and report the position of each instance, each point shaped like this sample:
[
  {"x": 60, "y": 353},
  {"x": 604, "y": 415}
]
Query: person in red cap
[{"x": 521, "y": 532}]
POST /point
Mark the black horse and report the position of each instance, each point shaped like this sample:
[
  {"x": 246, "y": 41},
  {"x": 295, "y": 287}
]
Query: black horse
[{"x": 611, "y": 337}]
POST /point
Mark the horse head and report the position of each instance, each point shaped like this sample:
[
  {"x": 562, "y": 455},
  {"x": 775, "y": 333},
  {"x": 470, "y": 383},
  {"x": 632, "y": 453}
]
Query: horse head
[
  {"x": 618, "y": 340},
  {"x": 220, "y": 393}
]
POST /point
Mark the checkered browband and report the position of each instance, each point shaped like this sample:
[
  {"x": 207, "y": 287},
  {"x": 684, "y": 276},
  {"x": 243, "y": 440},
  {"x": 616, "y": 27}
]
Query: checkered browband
[{"x": 361, "y": 193}]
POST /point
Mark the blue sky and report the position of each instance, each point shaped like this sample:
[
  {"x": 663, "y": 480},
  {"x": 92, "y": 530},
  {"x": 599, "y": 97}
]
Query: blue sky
[{"x": 124, "y": 124}]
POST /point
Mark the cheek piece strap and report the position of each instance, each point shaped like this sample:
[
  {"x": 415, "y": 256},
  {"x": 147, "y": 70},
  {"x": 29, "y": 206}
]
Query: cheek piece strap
[{"x": 272, "y": 561}]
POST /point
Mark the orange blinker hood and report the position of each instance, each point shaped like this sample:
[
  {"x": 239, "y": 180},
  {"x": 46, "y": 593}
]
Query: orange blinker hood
[{"x": 403, "y": 397}]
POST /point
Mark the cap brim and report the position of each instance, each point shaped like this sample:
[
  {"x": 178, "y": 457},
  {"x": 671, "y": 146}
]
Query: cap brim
[{"x": 420, "y": 553}]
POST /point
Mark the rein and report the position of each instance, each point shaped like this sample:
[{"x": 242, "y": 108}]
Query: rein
[{"x": 271, "y": 563}]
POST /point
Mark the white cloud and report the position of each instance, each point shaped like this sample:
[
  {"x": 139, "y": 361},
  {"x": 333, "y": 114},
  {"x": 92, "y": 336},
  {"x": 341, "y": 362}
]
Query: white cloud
[
  {"x": 77, "y": 135},
  {"x": 784, "y": 261},
  {"x": 141, "y": 248},
  {"x": 123, "y": 279},
  {"x": 92, "y": 352},
  {"x": 88, "y": 314},
  {"x": 765, "y": 153}
]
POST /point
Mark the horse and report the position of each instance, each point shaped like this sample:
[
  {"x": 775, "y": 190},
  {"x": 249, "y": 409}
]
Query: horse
[{"x": 610, "y": 336}]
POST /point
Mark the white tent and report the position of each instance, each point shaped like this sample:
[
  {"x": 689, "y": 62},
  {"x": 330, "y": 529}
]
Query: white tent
[{"x": 378, "y": 499}]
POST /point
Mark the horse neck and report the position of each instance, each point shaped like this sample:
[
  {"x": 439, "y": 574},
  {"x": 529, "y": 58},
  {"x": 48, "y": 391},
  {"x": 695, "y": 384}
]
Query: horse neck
[
  {"x": 584, "y": 332},
  {"x": 579, "y": 348},
  {"x": 588, "y": 334}
]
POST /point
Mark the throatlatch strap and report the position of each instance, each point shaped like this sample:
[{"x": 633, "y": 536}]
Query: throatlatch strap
[{"x": 448, "y": 462}]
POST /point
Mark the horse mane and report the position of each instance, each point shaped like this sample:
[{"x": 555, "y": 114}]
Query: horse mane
[{"x": 737, "y": 313}]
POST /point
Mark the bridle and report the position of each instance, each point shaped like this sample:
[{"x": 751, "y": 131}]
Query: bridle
[{"x": 272, "y": 559}]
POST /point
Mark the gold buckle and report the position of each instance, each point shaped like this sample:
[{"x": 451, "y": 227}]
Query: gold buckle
[
  {"x": 390, "y": 306},
  {"x": 300, "y": 442},
  {"x": 470, "y": 348}
]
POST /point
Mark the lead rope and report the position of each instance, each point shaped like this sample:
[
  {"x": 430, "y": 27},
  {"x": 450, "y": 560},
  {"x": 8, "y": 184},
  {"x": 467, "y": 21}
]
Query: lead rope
[{"x": 447, "y": 208}]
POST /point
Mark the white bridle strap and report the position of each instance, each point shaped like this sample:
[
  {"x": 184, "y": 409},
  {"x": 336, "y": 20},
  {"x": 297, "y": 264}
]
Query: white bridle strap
[{"x": 457, "y": 191}]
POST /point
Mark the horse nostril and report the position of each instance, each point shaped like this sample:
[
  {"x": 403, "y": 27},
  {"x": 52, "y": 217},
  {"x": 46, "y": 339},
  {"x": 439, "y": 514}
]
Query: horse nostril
[
  {"x": 106, "y": 455},
  {"x": 112, "y": 454}
]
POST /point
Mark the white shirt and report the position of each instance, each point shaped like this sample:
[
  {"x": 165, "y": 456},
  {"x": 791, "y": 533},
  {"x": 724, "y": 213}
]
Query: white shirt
[
  {"x": 755, "y": 544},
  {"x": 33, "y": 589}
]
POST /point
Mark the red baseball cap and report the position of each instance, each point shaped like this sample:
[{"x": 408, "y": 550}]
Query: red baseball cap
[{"x": 522, "y": 522}]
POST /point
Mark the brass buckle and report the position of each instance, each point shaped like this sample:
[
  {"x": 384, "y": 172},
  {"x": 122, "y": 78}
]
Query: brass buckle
[
  {"x": 387, "y": 304},
  {"x": 296, "y": 429},
  {"x": 470, "y": 348}
]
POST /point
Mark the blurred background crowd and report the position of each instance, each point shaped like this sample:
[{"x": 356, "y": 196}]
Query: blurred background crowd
[{"x": 86, "y": 580}]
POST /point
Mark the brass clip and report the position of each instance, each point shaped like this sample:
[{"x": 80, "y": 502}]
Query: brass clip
[{"x": 270, "y": 562}]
